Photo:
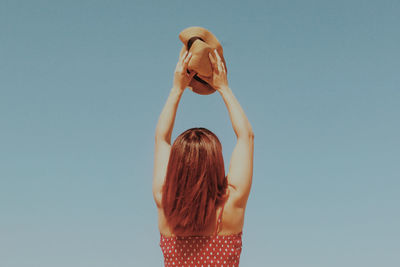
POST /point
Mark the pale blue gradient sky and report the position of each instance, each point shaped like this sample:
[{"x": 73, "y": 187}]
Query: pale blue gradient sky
[{"x": 82, "y": 84}]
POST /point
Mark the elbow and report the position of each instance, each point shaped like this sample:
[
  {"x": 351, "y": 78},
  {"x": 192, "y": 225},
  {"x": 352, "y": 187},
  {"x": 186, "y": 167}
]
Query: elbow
[
  {"x": 250, "y": 132},
  {"x": 158, "y": 135},
  {"x": 159, "y": 138},
  {"x": 246, "y": 136},
  {"x": 251, "y": 135}
]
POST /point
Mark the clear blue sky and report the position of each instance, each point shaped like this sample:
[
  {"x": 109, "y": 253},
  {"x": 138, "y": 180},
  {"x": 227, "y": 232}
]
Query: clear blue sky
[{"x": 82, "y": 84}]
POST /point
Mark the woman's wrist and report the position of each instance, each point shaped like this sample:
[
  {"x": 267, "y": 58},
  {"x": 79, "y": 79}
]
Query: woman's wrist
[
  {"x": 177, "y": 90},
  {"x": 224, "y": 89}
]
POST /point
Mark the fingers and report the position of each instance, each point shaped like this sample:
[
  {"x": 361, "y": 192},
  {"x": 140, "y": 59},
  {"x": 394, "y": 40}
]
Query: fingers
[
  {"x": 217, "y": 55},
  {"x": 219, "y": 65},
  {"x": 182, "y": 55},
  {"x": 217, "y": 62},
  {"x": 213, "y": 61},
  {"x": 184, "y": 62},
  {"x": 186, "y": 58},
  {"x": 223, "y": 67}
]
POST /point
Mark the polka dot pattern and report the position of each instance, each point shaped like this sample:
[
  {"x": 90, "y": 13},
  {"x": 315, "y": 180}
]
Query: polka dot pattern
[{"x": 217, "y": 250}]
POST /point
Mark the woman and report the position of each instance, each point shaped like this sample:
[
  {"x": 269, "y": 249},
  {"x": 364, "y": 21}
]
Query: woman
[{"x": 200, "y": 210}]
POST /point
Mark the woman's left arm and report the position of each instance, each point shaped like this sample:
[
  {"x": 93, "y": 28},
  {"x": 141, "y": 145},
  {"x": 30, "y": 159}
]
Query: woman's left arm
[{"x": 165, "y": 125}]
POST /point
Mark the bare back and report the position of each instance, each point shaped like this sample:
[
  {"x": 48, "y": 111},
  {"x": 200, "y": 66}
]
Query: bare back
[{"x": 232, "y": 220}]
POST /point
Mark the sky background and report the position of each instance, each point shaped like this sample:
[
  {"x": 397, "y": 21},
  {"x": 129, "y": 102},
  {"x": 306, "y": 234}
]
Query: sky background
[{"x": 82, "y": 84}]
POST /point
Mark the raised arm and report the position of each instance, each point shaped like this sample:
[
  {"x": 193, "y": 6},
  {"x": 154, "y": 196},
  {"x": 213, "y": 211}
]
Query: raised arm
[
  {"x": 165, "y": 125},
  {"x": 241, "y": 165}
]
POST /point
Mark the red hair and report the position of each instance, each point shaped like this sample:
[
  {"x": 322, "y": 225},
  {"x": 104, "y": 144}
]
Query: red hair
[{"x": 195, "y": 182}]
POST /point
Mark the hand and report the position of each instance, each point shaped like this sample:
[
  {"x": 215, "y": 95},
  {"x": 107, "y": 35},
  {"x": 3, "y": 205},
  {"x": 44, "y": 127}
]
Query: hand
[
  {"x": 181, "y": 76},
  {"x": 219, "y": 71}
]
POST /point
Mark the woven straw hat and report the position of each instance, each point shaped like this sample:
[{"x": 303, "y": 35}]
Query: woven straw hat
[{"x": 200, "y": 42}]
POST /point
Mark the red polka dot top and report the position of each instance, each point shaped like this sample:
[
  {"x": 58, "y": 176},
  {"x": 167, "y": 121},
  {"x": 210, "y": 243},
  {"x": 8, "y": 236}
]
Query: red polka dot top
[{"x": 214, "y": 250}]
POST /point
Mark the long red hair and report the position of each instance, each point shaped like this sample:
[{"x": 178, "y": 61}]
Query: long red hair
[{"x": 195, "y": 182}]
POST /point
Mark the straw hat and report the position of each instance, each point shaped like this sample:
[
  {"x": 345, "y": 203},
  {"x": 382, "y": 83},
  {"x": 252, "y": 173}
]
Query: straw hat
[{"x": 200, "y": 42}]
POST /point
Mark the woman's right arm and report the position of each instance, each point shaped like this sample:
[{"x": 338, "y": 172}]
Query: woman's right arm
[
  {"x": 165, "y": 125},
  {"x": 241, "y": 165}
]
